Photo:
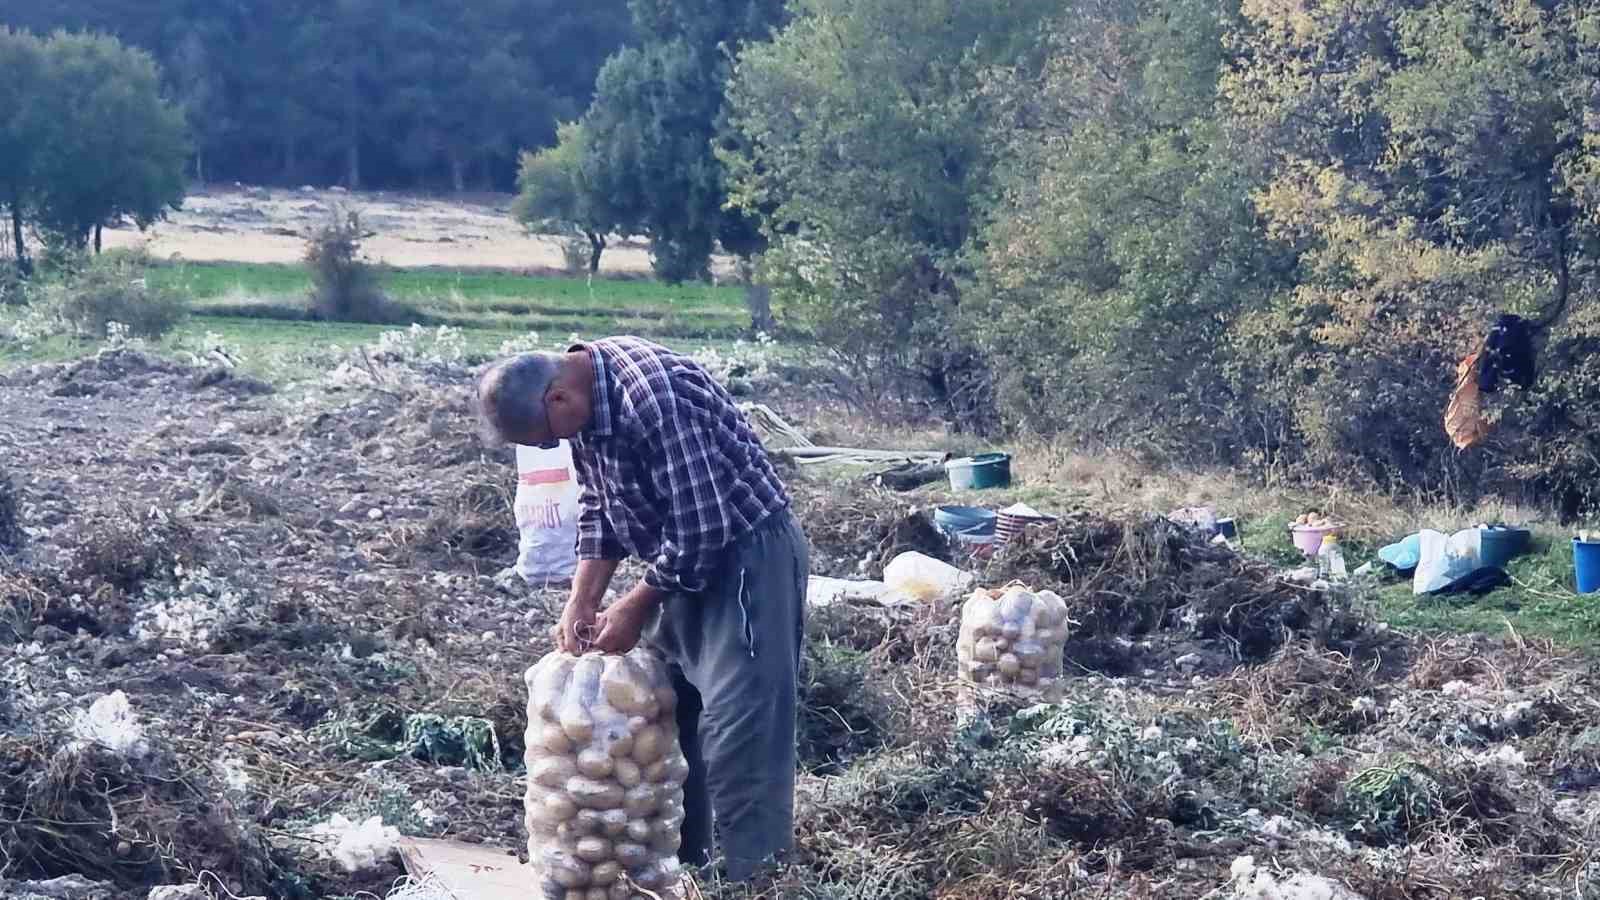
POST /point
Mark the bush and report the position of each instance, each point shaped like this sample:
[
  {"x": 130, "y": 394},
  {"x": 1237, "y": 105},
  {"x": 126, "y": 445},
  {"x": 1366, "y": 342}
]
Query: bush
[
  {"x": 13, "y": 287},
  {"x": 108, "y": 294},
  {"x": 344, "y": 286}
]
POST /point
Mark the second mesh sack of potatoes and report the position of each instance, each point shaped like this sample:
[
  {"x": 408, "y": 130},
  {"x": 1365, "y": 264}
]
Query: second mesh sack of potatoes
[
  {"x": 604, "y": 805},
  {"x": 1012, "y": 639}
]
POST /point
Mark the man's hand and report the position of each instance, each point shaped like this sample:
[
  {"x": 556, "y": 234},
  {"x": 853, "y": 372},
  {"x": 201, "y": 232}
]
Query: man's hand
[
  {"x": 577, "y": 623},
  {"x": 623, "y": 621},
  {"x": 588, "y": 588}
]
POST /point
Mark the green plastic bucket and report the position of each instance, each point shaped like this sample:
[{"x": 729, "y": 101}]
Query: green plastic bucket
[{"x": 986, "y": 470}]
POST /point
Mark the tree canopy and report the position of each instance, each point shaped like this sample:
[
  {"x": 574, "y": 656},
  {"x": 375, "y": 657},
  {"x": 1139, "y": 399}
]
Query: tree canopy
[
  {"x": 656, "y": 120},
  {"x": 88, "y": 140},
  {"x": 369, "y": 94}
]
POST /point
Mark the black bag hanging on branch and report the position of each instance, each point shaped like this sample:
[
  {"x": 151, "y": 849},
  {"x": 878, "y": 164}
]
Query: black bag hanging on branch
[{"x": 1507, "y": 354}]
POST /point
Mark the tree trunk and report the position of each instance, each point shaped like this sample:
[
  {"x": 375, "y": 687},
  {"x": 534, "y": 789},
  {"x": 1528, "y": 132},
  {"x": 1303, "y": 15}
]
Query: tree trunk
[
  {"x": 458, "y": 173},
  {"x": 97, "y": 239},
  {"x": 24, "y": 267},
  {"x": 352, "y": 162},
  {"x": 758, "y": 299},
  {"x": 597, "y": 246}
]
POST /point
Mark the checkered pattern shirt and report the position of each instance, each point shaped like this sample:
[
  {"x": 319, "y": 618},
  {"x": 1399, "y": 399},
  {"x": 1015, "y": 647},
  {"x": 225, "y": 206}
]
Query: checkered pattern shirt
[{"x": 670, "y": 469}]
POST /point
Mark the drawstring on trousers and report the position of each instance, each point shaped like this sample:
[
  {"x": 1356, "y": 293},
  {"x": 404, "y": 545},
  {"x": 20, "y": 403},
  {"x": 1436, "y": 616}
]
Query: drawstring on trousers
[{"x": 744, "y": 612}]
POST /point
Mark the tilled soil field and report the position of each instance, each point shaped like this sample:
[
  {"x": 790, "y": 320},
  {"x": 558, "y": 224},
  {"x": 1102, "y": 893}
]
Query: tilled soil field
[{"x": 229, "y": 615}]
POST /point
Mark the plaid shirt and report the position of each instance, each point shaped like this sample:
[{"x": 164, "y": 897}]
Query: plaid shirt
[{"x": 671, "y": 471}]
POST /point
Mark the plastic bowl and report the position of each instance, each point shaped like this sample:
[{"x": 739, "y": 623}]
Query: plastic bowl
[{"x": 1308, "y": 538}]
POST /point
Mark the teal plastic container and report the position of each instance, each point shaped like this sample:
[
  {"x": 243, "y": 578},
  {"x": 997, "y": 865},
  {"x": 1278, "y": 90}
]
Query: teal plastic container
[
  {"x": 987, "y": 470},
  {"x": 965, "y": 521},
  {"x": 1500, "y": 545}
]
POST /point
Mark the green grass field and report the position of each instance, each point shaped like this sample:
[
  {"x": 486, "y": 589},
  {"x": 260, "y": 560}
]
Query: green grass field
[
  {"x": 473, "y": 300},
  {"x": 262, "y": 312}
]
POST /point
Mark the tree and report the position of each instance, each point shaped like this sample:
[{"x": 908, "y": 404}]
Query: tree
[
  {"x": 553, "y": 196},
  {"x": 655, "y": 121},
  {"x": 23, "y": 123},
  {"x": 118, "y": 147},
  {"x": 407, "y": 93},
  {"x": 1122, "y": 245},
  {"x": 860, "y": 148},
  {"x": 1435, "y": 166}
]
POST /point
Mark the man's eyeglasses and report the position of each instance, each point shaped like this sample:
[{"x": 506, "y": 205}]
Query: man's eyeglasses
[{"x": 544, "y": 402}]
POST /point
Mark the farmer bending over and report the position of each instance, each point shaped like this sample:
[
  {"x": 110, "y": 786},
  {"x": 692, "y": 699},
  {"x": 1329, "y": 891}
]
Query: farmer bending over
[{"x": 671, "y": 472}]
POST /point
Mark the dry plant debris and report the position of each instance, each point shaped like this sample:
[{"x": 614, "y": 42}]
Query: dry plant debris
[{"x": 315, "y": 623}]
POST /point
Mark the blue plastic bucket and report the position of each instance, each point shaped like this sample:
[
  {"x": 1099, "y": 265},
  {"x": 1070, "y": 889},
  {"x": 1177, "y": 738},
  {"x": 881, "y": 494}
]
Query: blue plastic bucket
[
  {"x": 971, "y": 524},
  {"x": 1586, "y": 565},
  {"x": 986, "y": 470}
]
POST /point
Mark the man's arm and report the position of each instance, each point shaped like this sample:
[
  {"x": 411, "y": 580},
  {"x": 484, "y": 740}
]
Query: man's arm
[
  {"x": 599, "y": 553},
  {"x": 583, "y": 607}
]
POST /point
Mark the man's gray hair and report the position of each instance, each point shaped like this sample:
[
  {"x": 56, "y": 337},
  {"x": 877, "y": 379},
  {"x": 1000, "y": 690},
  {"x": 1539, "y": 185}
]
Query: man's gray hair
[{"x": 511, "y": 393}]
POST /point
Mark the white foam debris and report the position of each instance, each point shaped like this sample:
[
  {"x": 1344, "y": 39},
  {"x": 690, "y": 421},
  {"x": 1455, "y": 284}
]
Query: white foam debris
[
  {"x": 357, "y": 848},
  {"x": 1252, "y": 883},
  {"x": 110, "y": 723}
]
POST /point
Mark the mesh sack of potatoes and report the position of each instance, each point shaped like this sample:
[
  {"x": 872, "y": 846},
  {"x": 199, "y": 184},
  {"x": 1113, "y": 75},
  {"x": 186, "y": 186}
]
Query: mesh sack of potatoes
[
  {"x": 1012, "y": 639},
  {"x": 605, "y": 778}
]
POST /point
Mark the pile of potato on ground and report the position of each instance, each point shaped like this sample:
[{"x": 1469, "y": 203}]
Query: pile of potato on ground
[{"x": 605, "y": 777}]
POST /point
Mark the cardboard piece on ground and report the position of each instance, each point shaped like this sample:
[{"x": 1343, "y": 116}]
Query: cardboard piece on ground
[{"x": 468, "y": 871}]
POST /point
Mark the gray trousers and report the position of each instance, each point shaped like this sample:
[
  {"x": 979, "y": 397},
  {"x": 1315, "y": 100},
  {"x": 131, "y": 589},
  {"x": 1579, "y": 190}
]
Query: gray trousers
[{"x": 734, "y": 654}]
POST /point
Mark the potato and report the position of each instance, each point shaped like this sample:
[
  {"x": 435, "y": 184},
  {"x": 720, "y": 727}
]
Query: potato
[
  {"x": 621, "y": 891},
  {"x": 565, "y": 868},
  {"x": 627, "y": 688},
  {"x": 592, "y": 849},
  {"x": 677, "y": 771},
  {"x": 589, "y": 821},
  {"x": 642, "y": 800},
  {"x": 648, "y": 744},
  {"x": 614, "y": 822},
  {"x": 1011, "y": 632},
  {"x": 666, "y": 700},
  {"x": 556, "y": 808},
  {"x": 595, "y": 794},
  {"x": 620, "y": 743},
  {"x": 546, "y": 681},
  {"x": 631, "y": 856},
  {"x": 672, "y": 814},
  {"x": 552, "y": 771},
  {"x": 986, "y": 651},
  {"x": 1028, "y": 676},
  {"x": 1015, "y": 606},
  {"x": 595, "y": 762},
  {"x": 666, "y": 843},
  {"x": 627, "y": 773},
  {"x": 605, "y": 873},
  {"x": 638, "y": 831},
  {"x": 555, "y": 740},
  {"x": 596, "y": 893},
  {"x": 1030, "y": 653},
  {"x": 656, "y": 773},
  {"x": 1009, "y": 665}
]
